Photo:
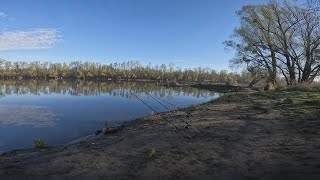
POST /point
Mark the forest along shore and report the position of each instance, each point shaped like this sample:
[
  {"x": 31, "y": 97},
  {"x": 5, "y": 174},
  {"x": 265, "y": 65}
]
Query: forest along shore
[{"x": 267, "y": 135}]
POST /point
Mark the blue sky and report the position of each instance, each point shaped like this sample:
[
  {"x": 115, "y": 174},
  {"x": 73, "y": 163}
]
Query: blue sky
[{"x": 188, "y": 33}]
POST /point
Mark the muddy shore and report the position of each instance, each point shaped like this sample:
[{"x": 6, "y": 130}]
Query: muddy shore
[{"x": 269, "y": 135}]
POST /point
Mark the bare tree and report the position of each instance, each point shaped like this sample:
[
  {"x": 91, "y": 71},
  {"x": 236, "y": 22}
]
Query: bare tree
[
  {"x": 254, "y": 41},
  {"x": 279, "y": 38}
]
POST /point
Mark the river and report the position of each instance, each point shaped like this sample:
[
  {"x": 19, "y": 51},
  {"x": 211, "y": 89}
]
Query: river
[{"x": 61, "y": 111}]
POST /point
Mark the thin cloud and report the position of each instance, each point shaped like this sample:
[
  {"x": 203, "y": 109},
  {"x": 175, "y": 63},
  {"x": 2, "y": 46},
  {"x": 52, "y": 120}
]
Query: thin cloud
[
  {"x": 29, "y": 39},
  {"x": 3, "y": 14}
]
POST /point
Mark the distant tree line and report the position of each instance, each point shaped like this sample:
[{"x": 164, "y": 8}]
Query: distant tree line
[
  {"x": 125, "y": 71},
  {"x": 279, "y": 40}
]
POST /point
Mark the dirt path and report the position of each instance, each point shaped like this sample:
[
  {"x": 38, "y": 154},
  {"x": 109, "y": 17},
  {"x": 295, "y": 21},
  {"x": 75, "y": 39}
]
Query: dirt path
[{"x": 242, "y": 137}]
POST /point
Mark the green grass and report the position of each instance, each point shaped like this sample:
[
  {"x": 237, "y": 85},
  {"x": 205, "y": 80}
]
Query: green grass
[
  {"x": 304, "y": 102},
  {"x": 308, "y": 98},
  {"x": 39, "y": 144},
  {"x": 303, "y": 113}
]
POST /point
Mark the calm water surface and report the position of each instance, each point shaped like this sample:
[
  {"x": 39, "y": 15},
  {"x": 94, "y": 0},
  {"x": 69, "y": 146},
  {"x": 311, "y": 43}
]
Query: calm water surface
[{"x": 60, "y": 112}]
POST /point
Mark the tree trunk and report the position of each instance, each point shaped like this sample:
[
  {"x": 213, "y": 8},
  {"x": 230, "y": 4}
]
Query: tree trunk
[{"x": 271, "y": 85}]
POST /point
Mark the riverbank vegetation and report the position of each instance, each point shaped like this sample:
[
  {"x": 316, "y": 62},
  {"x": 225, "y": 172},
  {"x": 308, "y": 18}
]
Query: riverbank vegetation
[
  {"x": 278, "y": 40},
  {"x": 115, "y": 71}
]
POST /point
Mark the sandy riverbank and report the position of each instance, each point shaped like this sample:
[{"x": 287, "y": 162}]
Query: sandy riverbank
[{"x": 242, "y": 136}]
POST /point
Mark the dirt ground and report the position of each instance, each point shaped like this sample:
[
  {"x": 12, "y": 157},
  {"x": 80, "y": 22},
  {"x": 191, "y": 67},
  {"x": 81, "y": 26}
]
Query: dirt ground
[{"x": 239, "y": 136}]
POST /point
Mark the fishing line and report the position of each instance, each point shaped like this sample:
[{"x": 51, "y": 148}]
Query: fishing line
[
  {"x": 177, "y": 129},
  {"x": 180, "y": 109},
  {"x": 188, "y": 125}
]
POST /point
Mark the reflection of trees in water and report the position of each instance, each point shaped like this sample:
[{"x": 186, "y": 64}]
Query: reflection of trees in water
[{"x": 92, "y": 88}]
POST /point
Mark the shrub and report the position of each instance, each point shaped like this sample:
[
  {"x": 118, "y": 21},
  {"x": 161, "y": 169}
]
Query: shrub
[{"x": 40, "y": 144}]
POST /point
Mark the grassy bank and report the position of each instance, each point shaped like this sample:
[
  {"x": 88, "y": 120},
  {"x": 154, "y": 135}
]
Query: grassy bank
[{"x": 302, "y": 107}]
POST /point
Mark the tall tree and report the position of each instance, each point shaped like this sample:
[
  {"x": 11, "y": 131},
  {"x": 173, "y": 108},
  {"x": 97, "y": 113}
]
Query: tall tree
[{"x": 279, "y": 38}]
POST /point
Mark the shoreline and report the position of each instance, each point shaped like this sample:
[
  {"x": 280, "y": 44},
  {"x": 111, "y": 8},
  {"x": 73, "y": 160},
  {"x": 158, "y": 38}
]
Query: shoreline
[
  {"x": 30, "y": 148},
  {"x": 94, "y": 135},
  {"x": 243, "y": 135}
]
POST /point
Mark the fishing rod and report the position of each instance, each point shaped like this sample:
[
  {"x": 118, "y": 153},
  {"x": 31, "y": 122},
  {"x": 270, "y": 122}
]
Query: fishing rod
[
  {"x": 188, "y": 125},
  {"x": 177, "y": 129},
  {"x": 177, "y": 107}
]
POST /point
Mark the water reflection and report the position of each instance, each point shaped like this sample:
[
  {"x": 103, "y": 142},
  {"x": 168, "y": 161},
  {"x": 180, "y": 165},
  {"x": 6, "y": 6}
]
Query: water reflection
[
  {"x": 91, "y": 88},
  {"x": 27, "y": 115}
]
